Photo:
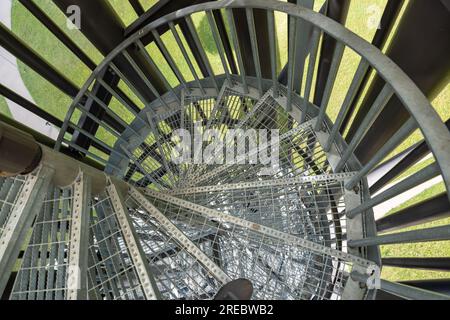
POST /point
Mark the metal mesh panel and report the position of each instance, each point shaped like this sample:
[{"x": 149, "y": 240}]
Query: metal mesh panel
[
  {"x": 196, "y": 115},
  {"x": 9, "y": 191},
  {"x": 234, "y": 110},
  {"x": 277, "y": 268},
  {"x": 178, "y": 274},
  {"x": 43, "y": 272},
  {"x": 150, "y": 162},
  {"x": 311, "y": 208},
  {"x": 222, "y": 114},
  {"x": 300, "y": 154},
  {"x": 111, "y": 272}
]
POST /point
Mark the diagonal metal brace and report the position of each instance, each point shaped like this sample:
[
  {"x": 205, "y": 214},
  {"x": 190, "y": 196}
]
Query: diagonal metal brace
[
  {"x": 130, "y": 237},
  {"x": 176, "y": 233},
  {"x": 266, "y": 231}
]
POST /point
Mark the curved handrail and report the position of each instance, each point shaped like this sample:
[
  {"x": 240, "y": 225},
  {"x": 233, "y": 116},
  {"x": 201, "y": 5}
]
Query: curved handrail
[{"x": 434, "y": 131}]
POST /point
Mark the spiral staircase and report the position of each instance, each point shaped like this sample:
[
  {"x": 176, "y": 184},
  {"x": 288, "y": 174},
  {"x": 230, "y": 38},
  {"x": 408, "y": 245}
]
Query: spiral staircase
[{"x": 135, "y": 225}]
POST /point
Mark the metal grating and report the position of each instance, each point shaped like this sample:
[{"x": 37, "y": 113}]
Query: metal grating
[
  {"x": 198, "y": 116},
  {"x": 151, "y": 159},
  {"x": 111, "y": 272},
  {"x": 233, "y": 110},
  {"x": 43, "y": 271},
  {"x": 277, "y": 268},
  {"x": 178, "y": 274},
  {"x": 10, "y": 189},
  {"x": 300, "y": 151},
  {"x": 309, "y": 207},
  {"x": 300, "y": 154}
]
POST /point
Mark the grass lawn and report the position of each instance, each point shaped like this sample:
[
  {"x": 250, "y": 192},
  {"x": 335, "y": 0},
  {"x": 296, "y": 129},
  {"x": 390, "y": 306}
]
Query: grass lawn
[
  {"x": 4, "y": 109},
  {"x": 430, "y": 249},
  {"x": 51, "y": 99}
]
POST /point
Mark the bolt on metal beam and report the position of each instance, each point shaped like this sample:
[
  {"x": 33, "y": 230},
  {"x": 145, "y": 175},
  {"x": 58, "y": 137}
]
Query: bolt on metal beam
[
  {"x": 79, "y": 243},
  {"x": 137, "y": 254},
  {"x": 217, "y": 272}
]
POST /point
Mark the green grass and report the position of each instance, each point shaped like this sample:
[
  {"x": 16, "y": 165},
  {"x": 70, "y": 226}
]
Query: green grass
[
  {"x": 42, "y": 41},
  {"x": 424, "y": 195},
  {"x": 425, "y": 249},
  {"x": 124, "y": 10},
  {"x": 4, "y": 109},
  {"x": 415, "y": 168},
  {"x": 147, "y": 4}
]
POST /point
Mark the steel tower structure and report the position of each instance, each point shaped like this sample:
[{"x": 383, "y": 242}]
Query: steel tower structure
[{"x": 86, "y": 218}]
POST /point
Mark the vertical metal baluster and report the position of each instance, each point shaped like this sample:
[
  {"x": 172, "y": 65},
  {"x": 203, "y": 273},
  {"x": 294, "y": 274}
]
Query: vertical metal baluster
[
  {"x": 441, "y": 233},
  {"x": 378, "y": 106},
  {"x": 150, "y": 61},
  {"x": 201, "y": 50},
  {"x": 169, "y": 59},
  {"x": 255, "y": 49},
  {"x": 351, "y": 93},
  {"x": 100, "y": 142},
  {"x": 99, "y": 122},
  {"x": 186, "y": 56},
  {"x": 128, "y": 83},
  {"x": 108, "y": 110},
  {"x": 218, "y": 43},
  {"x": 116, "y": 95},
  {"x": 311, "y": 68},
  {"x": 144, "y": 78},
  {"x": 291, "y": 60},
  {"x": 414, "y": 180},
  {"x": 237, "y": 48},
  {"x": 402, "y": 290},
  {"x": 273, "y": 51},
  {"x": 407, "y": 128},
  {"x": 69, "y": 115},
  {"x": 335, "y": 63}
]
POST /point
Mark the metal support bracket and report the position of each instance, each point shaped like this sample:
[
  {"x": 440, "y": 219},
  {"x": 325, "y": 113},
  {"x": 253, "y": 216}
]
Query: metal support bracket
[
  {"x": 353, "y": 289},
  {"x": 79, "y": 244},
  {"x": 190, "y": 247},
  {"x": 266, "y": 231},
  {"x": 137, "y": 254},
  {"x": 261, "y": 184}
]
